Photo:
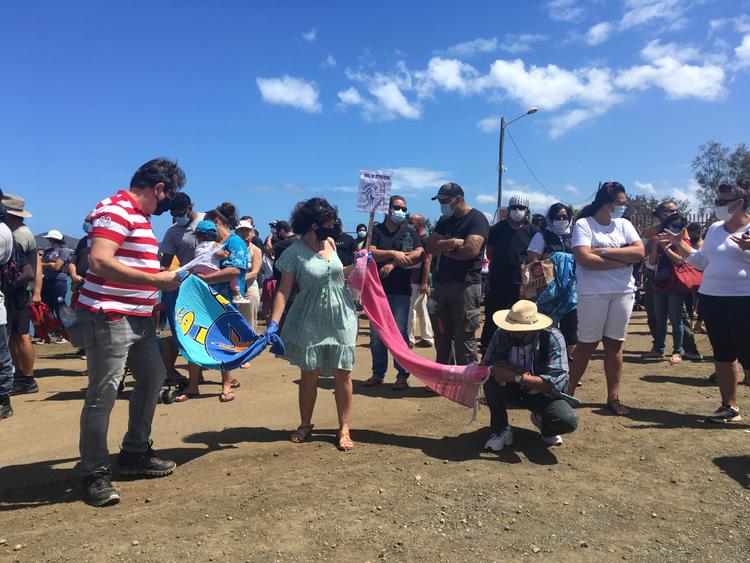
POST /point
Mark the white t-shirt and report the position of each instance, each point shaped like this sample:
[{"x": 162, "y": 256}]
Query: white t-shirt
[
  {"x": 619, "y": 233},
  {"x": 6, "y": 251},
  {"x": 205, "y": 256},
  {"x": 726, "y": 267},
  {"x": 538, "y": 244}
]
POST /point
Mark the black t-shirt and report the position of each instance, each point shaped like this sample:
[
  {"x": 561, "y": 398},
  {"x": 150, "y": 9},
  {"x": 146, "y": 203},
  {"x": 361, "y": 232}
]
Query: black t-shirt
[
  {"x": 404, "y": 239},
  {"x": 81, "y": 257},
  {"x": 417, "y": 273},
  {"x": 510, "y": 246},
  {"x": 278, "y": 249},
  {"x": 346, "y": 246},
  {"x": 469, "y": 271},
  {"x": 257, "y": 242}
]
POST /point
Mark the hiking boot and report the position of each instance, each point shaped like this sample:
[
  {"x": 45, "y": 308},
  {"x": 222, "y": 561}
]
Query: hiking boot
[
  {"x": 536, "y": 420},
  {"x": 497, "y": 442},
  {"x": 98, "y": 490},
  {"x": 23, "y": 385},
  {"x": 5, "y": 410},
  {"x": 725, "y": 413},
  {"x": 144, "y": 463}
]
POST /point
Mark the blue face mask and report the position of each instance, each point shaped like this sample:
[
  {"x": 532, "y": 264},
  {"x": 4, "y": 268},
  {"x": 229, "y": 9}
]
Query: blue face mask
[
  {"x": 183, "y": 220},
  {"x": 618, "y": 212},
  {"x": 361, "y": 234},
  {"x": 446, "y": 210},
  {"x": 398, "y": 216},
  {"x": 86, "y": 227}
]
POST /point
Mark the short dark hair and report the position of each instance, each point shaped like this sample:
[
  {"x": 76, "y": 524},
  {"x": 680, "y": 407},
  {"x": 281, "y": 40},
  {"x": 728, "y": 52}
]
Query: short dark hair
[
  {"x": 394, "y": 198},
  {"x": 312, "y": 211},
  {"x": 362, "y": 225},
  {"x": 159, "y": 170},
  {"x": 181, "y": 201},
  {"x": 660, "y": 208},
  {"x": 739, "y": 190},
  {"x": 555, "y": 208}
]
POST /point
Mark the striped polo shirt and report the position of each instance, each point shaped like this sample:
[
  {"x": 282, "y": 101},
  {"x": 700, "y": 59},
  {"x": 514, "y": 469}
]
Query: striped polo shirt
[{"x": 120, "y": 219}]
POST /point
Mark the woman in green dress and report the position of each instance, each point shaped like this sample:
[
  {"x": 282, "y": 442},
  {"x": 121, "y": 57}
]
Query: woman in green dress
[{"x": 320, "y": 328}]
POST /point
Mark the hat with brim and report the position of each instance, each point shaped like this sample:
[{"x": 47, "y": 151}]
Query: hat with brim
[
  {"x": 206, "y": 227},
  {"x": 523, "y": 316},
  {"x": 14, "y": 204},
  {"x": 54, "y": 234},
  {"x": 244, "y": 224}
]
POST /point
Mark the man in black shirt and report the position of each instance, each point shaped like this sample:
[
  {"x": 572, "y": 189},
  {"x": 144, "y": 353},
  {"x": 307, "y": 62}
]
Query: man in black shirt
[
  {"x": 506, "y": 250},
  {"x": 395, "y": 248},
  {"x": 459, "y": 239},
  {"x": 285, "y": 239},
  {"x": 346, "y": 246}
]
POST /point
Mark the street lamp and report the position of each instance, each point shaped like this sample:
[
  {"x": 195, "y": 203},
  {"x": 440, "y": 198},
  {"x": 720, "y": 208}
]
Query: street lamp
[{"x": 503, "y": 125}]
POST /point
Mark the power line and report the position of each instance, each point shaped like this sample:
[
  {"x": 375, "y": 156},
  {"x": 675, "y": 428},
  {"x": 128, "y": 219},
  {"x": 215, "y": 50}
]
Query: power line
[{"x": 529, "y": 167}]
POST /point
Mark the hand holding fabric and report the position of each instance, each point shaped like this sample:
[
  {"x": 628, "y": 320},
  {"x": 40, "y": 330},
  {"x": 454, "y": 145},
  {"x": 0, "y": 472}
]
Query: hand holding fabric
[
  {"x": 360, "y": 253},
  {"x": 273, "y": 328}
]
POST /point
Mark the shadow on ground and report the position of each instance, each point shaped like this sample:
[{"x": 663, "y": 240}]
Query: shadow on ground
[{"x": 737, "y": 467}]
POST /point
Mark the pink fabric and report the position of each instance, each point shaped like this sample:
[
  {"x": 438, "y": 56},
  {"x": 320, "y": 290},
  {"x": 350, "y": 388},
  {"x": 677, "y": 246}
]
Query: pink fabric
[{"x": 457, "y": 383}]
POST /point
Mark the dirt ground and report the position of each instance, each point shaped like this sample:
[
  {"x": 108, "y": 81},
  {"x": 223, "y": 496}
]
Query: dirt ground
[{"x": 659, "y": 485}]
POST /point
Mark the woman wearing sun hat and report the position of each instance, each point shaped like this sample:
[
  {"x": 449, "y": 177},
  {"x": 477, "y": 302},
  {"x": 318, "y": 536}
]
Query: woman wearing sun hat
[
  {"x": 55, "y": 271},
  {"x": 529, "y": 370}
]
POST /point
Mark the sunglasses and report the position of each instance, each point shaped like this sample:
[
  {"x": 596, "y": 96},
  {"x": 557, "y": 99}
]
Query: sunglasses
[
  {"x": 519, "y": 207},
  {"x": 560, "y": 218},
  {"x": 399, "y": 208},
  {"x": 722, "y": 202}
]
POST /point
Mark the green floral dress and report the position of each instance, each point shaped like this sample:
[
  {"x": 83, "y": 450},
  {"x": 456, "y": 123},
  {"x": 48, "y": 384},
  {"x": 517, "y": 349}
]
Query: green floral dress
[{"x": 320, "y": 329}]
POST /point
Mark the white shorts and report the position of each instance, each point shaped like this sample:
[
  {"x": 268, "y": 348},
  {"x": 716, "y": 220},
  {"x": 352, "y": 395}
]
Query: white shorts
[{"x": 604, "y": 315}]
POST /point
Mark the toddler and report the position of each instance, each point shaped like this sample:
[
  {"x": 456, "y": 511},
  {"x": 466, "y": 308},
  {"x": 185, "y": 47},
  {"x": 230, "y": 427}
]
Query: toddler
[{"x": 208, "y": 257}]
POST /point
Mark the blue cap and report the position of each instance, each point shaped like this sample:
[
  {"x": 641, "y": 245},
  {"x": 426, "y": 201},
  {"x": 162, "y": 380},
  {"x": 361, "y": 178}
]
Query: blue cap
[{"x": 207, "y": 227}]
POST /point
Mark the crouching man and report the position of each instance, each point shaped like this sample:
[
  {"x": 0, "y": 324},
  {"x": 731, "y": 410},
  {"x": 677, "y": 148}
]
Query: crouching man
[{"x": 529, "y": 370}]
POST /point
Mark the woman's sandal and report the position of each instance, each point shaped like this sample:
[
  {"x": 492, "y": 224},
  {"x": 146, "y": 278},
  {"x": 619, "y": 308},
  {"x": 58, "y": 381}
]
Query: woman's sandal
[
  {"x": 302, "y": 433},
  {"x": 234, "y": 384},
  {"x": 185, "y": 396},
  {"x": 344, "y": 442},
  {"x": 618, "y": 408},
  {"x": 226, "y": 397},
  {"x": 675, "y": 359}
]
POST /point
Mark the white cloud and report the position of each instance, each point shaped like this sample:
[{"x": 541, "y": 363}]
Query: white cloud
[
  {"x": 741, "y": 24},
  {"x": 565, "y": 10},
  {"x": 330, "y": 61},
  {"x": 688, "y": 192},
  {"x": 655, "y": 50},
  {"x": 645, "y": 187},
  {"x": 473, "y": 47},
  {"x": 489, "y": 124},
  {"x": 742, "y": 53},
  {"x": 393, "y": 100},
  {"x": 640, "y": 12},
  {"x": 310, "y": 36},
  {"x": 486, "y": 199},
  {"x": 539, "y": 202},
  {"x": 290, "y": 91},
  {"x": 511, "y": 43},
  {"x": 415, "y": 178},
  {"x": 572, "y": 189},
  {"x": 451, "y": 75},
  {"x": 598, "y": 33}
]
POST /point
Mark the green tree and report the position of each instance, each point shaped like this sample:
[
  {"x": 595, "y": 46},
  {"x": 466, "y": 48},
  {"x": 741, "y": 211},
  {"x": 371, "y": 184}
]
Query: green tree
[{"x": 715, "y": 164}]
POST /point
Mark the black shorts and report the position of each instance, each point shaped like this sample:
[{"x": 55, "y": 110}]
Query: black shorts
[
  {"x": 569, "y": 327},
  {"x": 18, "y": 316},
  {"x": 727, "y": 321}
]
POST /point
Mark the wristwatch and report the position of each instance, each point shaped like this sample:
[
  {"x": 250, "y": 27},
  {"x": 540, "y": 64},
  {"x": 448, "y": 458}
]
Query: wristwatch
[{"x": 518, "y": 378}]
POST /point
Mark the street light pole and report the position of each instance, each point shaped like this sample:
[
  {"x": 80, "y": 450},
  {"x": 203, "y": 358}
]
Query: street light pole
[{"x": 503, "y": 125}]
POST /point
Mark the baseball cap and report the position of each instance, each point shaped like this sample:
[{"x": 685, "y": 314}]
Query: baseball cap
[
  {"x": 54, "y": 234},
  {"x": 245, "y": 224},
  {"x": 449, "y": 190},
  {"x": 518, "y": 199},
  {"x": 207, "y": 227},
  {"x": 14, "y": 204}
]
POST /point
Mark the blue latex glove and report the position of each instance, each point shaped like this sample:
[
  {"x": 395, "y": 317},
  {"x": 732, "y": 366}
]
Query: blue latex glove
[
  {"x": 361, "y": 253},
  {"x": 273, "y": 328}
]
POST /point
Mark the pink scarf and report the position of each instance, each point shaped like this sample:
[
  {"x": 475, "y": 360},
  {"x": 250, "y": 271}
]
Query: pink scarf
[{"x": 457, "y": 383}]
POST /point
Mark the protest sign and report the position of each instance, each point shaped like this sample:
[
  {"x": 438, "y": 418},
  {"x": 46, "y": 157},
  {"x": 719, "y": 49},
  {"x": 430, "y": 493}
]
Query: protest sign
[{"x": 374, "y": 190}]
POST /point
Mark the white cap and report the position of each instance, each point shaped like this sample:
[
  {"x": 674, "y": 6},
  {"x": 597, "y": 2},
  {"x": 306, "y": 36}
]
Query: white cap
[
  {"x": 518, "y": 199},
  {"x": 245, "y": 225},
  {"x": 55, "y": 235}
]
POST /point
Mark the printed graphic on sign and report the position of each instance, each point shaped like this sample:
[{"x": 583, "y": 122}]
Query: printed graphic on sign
[{"x": 374, "y": 190}]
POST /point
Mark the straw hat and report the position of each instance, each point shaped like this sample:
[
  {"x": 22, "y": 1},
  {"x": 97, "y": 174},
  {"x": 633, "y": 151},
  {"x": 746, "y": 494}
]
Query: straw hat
[
  {"x": 15, "y": 204},
  {"x": 521, "y": 317}
]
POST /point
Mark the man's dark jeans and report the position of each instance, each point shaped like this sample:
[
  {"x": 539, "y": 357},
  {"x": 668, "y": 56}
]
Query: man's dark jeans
[{"x": 556, "y": 414}]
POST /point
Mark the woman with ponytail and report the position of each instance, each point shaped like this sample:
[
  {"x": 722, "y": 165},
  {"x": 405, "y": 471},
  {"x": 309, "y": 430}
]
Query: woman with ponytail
[{"x": 605, "y": 247}]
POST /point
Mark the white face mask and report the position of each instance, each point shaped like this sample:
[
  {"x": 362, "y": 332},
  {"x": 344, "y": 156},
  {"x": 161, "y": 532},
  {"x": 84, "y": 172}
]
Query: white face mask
[
  {"x": 722, "y": 212},
  {"x": 517, "y": 215},
  {"x": 618, "y": 212},
  {"x": 560, "y": 227}
]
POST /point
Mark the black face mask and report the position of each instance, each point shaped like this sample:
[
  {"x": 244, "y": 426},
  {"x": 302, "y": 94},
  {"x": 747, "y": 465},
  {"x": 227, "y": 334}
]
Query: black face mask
[
  {"x": 323, "y": 233},
  {"x": 163, "y": 206}
]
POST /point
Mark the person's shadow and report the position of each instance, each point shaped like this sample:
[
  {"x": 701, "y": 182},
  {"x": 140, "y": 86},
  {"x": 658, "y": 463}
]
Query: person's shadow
[
  {"x": 658, "y": 418},
  {"x": 43, "y": 483},
  {"x": 737, "y": 467}
]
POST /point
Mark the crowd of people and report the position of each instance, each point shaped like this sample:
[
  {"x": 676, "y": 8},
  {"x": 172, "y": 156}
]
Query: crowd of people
[{"x": 124, "y": 286}]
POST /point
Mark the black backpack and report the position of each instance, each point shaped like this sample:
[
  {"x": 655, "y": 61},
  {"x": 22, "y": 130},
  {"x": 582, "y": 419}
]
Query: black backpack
[{"x": 11, "y": 270}]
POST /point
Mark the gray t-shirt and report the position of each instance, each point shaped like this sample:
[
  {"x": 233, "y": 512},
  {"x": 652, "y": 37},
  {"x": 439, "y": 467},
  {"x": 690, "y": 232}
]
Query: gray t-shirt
[
  {"x": 25, "y": 239},
  {"x": 180, "y": 241}
]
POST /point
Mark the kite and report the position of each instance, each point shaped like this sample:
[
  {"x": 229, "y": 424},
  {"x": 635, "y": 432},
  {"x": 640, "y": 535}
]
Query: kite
[
  {"x": 211, "y": 332},
  {"x": 460, "y": 384}
]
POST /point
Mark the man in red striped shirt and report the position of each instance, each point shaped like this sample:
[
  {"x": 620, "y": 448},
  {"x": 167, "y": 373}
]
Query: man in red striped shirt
[{"x": 116, "y": 327}]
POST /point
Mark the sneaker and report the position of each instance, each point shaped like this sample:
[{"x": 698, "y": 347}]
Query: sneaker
[
  {"x": 98, "y": 490},
  {"x": 81, "y": 353},
  {"x": 23, "y": 385},
  {"x": 549, "y": 440},
  {"x": 424, "y": 344},
  {"x": 144, "y": 463},
  {"x": 60, "y": 340},
  {"x": 5, "y": 410},
  {"x": 240, "y": 300},
  {"x": 497, "y": 442},
  {"x": 725, "y": 413},
  {"x": 692, "y": 356}
]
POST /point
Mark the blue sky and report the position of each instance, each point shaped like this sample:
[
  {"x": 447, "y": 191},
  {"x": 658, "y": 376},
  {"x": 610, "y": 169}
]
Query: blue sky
[{"x": 265, "y": 104}]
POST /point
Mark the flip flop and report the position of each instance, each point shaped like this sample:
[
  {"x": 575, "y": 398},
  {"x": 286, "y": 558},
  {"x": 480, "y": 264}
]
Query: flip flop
[
  {"x": 182, "y": 397},
  {"x": 226, "y": 397},
  {"x": 234, "y": 384}
]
